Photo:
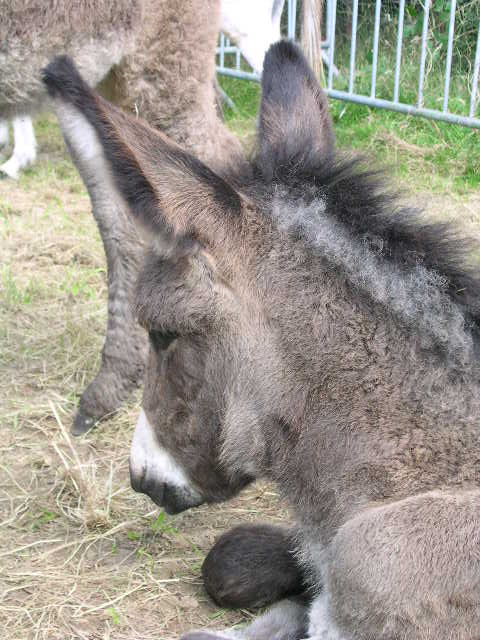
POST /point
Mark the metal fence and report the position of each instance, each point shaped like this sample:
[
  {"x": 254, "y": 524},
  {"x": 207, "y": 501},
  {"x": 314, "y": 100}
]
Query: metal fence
[{"x": 468, "y": 118}]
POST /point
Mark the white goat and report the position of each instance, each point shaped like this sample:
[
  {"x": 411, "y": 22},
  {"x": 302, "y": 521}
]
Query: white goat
[{"x": 254, "y": 25}]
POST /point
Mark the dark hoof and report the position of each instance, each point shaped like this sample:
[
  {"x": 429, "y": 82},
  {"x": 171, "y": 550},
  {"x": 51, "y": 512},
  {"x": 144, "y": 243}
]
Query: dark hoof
[{"x": 82, "y": 423}]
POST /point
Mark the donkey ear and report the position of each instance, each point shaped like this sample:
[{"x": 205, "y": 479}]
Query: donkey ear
[
  {"x": 167, "y": 190},
  {"x": 295, "y": 128}
]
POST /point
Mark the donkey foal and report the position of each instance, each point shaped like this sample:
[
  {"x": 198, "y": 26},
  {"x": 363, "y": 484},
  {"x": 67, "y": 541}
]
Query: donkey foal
[{"x": 305, "y": 329}]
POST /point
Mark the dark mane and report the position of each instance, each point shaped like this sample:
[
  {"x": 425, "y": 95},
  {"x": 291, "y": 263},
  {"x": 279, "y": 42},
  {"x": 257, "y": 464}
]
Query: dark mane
[
  {"x": 360, "y": 200},
  {"x": 296, "y": 151}
]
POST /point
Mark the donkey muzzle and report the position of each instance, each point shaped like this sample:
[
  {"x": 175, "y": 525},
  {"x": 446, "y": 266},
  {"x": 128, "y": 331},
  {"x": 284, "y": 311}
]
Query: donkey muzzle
[
  {"x": 171, "y": 498},
  {"x": 154, "y": 471}
]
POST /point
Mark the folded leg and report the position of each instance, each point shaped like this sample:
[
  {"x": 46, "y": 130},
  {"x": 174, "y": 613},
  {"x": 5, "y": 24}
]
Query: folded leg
[
  {"x": 406, "y": 569},
  {"x": 252, "y": 566}
]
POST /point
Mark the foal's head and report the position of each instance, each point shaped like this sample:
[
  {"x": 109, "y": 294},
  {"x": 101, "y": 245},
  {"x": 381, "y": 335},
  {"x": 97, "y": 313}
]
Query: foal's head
[
  {"x": 230, "y": 295},
  {"x": 214, "y": 360}
]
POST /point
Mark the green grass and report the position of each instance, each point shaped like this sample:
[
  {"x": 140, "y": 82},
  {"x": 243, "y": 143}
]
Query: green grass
[
  {"x": 14, "y": 295},
  {"x": 430, "y": 154},
  {"x": 246, "y": 97}
]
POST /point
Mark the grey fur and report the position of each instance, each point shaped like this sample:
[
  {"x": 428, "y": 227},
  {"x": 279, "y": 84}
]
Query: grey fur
[
  {"x": 418, "y": 297},
  {"x": 279, "y": 350}
]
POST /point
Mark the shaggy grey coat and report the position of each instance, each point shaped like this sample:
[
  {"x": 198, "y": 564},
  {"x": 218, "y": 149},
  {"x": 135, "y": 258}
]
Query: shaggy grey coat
[{"x": 305, "y": 329}]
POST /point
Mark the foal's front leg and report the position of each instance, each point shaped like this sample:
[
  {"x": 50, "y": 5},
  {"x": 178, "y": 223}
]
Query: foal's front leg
[
  {"x": 251, "y": 566},
  {"x": 286, "y": 620}
]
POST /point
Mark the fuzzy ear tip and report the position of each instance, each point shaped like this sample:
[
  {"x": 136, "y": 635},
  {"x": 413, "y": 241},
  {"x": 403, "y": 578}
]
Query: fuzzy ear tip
[
  {"x": 281, "y": 52},
  {"x": 61, "y": 77}
]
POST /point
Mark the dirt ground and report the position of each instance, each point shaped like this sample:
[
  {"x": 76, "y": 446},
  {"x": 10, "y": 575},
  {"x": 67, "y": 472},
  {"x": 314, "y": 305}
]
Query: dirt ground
[{"x": 82, "y": 556}]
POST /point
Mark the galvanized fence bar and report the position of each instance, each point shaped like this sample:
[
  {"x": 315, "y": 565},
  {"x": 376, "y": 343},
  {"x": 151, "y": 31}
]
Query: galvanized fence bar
[
  {"x": 421, "y": 78},
  {"x": 292, "y": 14},
  {"x": 448, "y": 68},
  {"x": 405, "y": 108},
  {"x": 350, "y": 96},
  {"x": 476, "y": 68},
  {"x": 398, "y": 57},
  {"x": 222, "y": 50},
  {"x": 376, "y": 36},
  {"x": 241, "y": 75},
  {"x": 328, "y": 10},
  {"x": 331, "y": 50},
  {"x": 353, "y": 47}
]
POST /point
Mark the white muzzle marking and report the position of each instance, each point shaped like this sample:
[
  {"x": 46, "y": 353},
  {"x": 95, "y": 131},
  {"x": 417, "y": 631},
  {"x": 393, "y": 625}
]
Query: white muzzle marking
[{"x": 147, "y": 457}]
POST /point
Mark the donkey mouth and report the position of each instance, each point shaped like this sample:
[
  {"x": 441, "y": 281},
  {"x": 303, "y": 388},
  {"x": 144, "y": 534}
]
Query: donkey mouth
[
  {"x": 178, "y": 499},
  {"x": 171, "y": 498}
]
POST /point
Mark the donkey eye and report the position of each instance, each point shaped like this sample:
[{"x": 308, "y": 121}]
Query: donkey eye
[{"x": 161, "y": 340}]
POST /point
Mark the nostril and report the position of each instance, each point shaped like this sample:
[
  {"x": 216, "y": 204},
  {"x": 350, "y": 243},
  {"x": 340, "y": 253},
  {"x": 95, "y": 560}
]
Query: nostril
[
  {"x": 141, "y": 483},
  {"x": 136, "y": 479}
]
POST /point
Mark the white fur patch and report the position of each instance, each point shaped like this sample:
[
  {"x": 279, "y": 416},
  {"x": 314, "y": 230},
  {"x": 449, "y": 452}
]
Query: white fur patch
[
  {"x": 83, "y": 140},
  {"x": 25, "y": 148},
  {"x": 321, "y": 624},
  {"x": 253, "y": 26},
  {"x": 147, "y": 456}
]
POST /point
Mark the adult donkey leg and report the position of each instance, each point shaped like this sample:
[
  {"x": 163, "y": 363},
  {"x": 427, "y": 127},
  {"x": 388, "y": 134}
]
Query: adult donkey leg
[
  {"x": 252, "y": 566},
  {"x": 125, "y": 349},
  {"x": 24, "y": 149}
]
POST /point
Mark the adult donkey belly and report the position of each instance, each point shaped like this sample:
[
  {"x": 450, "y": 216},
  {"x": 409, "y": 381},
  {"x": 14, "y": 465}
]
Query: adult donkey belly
[{"x": 96, "y": 34}]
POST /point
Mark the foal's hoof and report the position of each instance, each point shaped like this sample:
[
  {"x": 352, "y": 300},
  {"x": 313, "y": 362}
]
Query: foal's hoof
[{"x": 82, "y": 423}]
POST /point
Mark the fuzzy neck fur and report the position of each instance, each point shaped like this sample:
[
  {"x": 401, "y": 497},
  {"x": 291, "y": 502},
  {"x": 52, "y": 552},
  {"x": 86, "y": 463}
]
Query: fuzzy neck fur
[{"x": 376, "y": 391}]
